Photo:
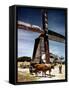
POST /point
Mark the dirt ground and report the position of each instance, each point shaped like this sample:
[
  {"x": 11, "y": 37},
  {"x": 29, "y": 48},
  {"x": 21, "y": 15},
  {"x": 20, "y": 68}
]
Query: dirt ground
[{"x": 24, "y": 75}]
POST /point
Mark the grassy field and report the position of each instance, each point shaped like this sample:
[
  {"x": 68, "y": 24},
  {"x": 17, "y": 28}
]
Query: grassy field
[
  {"x": 23, "y": 73},
  {"x": 25, "y": 76}
]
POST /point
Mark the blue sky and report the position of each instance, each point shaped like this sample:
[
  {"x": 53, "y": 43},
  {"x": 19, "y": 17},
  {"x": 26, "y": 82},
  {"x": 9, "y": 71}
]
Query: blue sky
[{"x": 56, "y": 22}]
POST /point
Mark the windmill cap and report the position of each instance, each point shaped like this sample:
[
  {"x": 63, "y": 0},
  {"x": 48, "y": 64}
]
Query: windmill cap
[{"x": 42, "y": 34}]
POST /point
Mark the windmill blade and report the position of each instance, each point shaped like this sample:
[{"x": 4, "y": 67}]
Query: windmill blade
[
  {"x": 29, "y": 27},
  {"x": 55, "y": 36},
  {"x": 34, "y": 28}
]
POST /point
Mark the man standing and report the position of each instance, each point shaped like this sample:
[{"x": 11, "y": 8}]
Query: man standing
[{"x": 60, "y": 68}]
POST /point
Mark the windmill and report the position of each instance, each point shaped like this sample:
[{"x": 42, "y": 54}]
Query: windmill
[{"x": 41, "y": 46}]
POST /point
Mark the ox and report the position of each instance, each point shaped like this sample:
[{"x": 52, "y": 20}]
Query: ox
[{"x": 41, "y": 68}]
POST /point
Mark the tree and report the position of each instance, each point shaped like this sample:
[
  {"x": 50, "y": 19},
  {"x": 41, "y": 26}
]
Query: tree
[
  {"x": 62, "y": 58},
  {"x": 24, "y": 58}
]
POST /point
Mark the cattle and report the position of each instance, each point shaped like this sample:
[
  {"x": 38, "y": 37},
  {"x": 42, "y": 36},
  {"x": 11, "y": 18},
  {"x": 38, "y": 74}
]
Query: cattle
[{"x": 36, "y": 68}]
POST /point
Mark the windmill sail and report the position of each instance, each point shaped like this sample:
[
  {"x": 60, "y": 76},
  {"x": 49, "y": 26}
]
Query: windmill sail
[
  {"x": 45, "y": 35},
  {"x": 55, "y": 36},
  {"x": 34, "y": 28},
  {"x": 29, "y": 27}
]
